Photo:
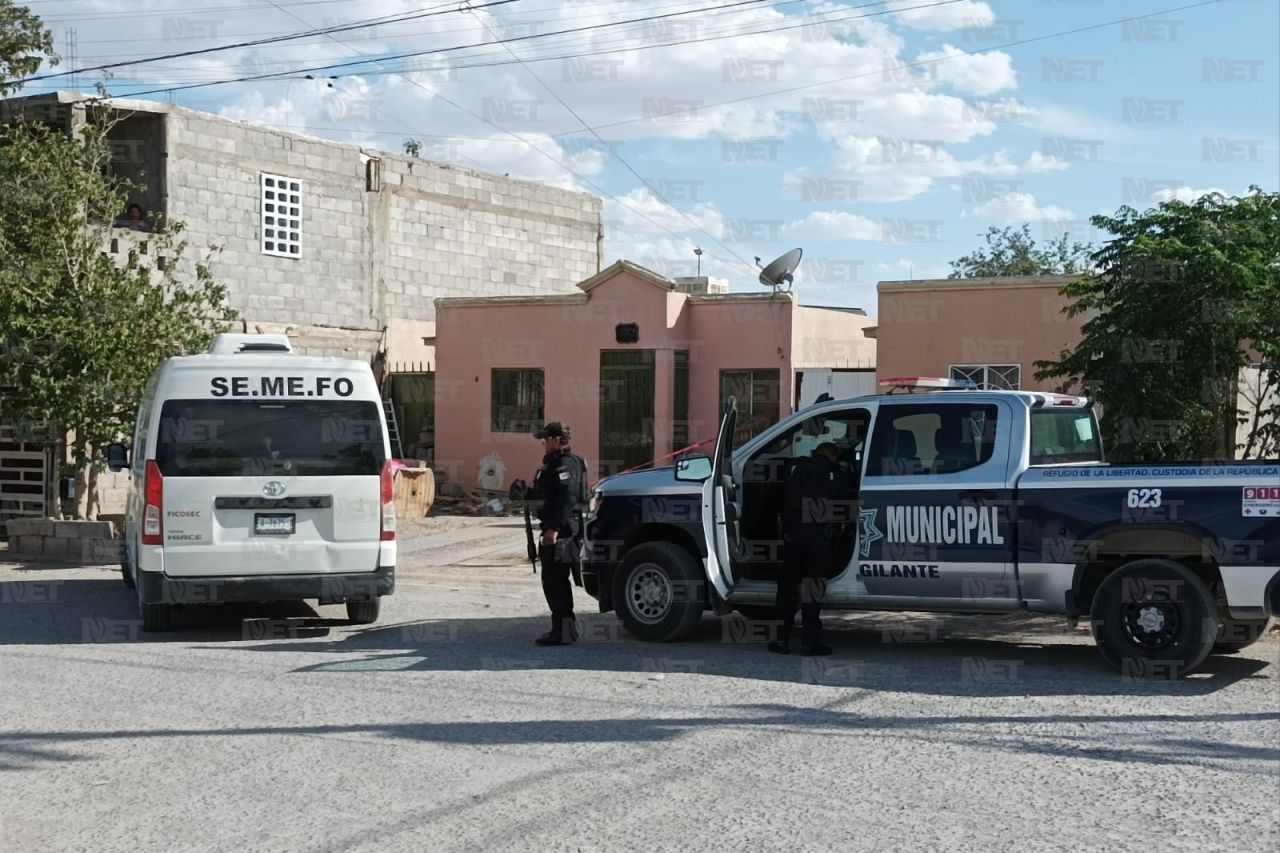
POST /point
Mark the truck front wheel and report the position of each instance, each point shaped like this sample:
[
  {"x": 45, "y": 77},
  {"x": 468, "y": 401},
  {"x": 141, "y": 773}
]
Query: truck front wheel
[
  {"x": 659, "y": 592},
  {"x": 1154, "y": 618}
]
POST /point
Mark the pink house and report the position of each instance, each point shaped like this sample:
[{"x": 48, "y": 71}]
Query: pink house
[{"x": 637, "y": 365}]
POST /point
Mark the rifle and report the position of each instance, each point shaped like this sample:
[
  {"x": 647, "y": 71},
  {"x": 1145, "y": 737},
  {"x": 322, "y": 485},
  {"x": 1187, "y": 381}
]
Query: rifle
[
  {"x": 584, "y": 496},
  {"x": 528, "y": 531}
]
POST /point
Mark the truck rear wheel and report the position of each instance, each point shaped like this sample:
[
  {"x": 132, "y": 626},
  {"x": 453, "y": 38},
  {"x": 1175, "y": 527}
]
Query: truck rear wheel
[
  {"x": 1154, "y": 618},
  {"x": 126, "y": 570},
  {"x": 659, "y": 592},
  {"x": 1237, "y": 634},
  {"x": 364, "y": 612}
]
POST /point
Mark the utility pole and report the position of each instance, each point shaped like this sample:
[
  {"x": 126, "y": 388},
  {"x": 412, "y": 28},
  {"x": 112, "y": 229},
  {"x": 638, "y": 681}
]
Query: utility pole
[{"x": 73, "y": 59}]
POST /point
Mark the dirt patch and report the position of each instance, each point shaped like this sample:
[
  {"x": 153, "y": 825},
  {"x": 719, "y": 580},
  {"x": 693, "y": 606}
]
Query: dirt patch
[{"x": 415, "y": 528}]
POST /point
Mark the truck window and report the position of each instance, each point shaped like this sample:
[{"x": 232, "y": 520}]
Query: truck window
[
  {"x": 931, "y": 438},
  {"x": 1064, "y": 435},
  {"x": 239, "y": 438},
  {"x": 845, "y": 429}
]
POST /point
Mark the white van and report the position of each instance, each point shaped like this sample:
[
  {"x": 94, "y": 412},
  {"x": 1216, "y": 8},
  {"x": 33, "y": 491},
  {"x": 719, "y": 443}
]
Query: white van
[{"x": 259, "y": 475}]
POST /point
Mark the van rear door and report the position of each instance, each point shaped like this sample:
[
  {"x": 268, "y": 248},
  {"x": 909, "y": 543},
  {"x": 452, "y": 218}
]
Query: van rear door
[{"x": 270, "y": 486}]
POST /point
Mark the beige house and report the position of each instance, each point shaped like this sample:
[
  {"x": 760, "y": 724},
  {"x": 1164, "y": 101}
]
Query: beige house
[
  {"x": 994, "y": 330},
  {"x": 990, "y": 330}
]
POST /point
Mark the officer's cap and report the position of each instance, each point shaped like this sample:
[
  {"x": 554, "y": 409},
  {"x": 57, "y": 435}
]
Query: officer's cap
[{"x": 555, "y": 429}]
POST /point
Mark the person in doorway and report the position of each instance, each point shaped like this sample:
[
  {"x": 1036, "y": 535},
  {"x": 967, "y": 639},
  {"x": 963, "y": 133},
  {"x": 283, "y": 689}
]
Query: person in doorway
[
  {"x": 558, "y": 489},
  {"x": 818, "y": 501}
]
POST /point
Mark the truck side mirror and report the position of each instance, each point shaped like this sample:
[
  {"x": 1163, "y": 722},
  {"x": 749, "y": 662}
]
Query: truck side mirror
[
  {"x": 117, "y": 457},
  {"x": 693, "y": 469}
]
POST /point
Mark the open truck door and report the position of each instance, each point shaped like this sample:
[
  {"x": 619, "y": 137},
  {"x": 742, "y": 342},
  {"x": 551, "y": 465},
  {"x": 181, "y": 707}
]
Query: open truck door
[{"x": 719, "y": 513}]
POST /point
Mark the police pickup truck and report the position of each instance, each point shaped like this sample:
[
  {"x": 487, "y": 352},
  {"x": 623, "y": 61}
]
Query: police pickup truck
[{"x": 967, "y": 501}]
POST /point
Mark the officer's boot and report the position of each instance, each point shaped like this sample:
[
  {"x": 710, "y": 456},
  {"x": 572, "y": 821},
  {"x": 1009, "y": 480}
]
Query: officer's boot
[
  {"x": 811, "y": 631},
  {"x": 782, "y": 645},
  {"x": 555, "y": 637}
]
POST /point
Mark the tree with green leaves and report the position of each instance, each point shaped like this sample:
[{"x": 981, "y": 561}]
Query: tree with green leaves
[
  {"x": 1014, "y": 253},
  {"x": 1185, "y": 296},
  {"x": 24, "y": 44},
  {"x": 83, "y": 329}
]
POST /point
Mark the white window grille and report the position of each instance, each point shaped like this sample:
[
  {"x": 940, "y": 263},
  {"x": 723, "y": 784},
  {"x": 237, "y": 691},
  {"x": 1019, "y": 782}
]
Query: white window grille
[
  {"x": 1002, "y": 377},
  {"x": 281, "y": 226}
]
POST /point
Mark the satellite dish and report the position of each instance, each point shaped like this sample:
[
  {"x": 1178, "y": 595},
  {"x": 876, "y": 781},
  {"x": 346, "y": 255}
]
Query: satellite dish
[{"x": 780, "y": 270}]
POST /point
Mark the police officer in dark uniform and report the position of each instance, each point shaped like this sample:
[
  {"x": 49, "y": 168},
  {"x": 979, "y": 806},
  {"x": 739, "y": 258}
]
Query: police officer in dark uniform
[
  {"x": 557, "y": 490},
  {"x": 818, "y": 503}
]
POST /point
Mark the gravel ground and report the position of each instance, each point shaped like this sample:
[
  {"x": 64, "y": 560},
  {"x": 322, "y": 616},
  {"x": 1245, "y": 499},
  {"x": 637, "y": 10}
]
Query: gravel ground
[{"x": 443, "y": 727}]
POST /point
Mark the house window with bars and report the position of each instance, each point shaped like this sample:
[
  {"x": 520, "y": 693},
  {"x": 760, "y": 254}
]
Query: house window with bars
[
  {"x": 516, "y": 400},
  {"x": 281, "y": 215},
  {"x": 757, "y": 392},
  {"x": 1000, "y": 377}
]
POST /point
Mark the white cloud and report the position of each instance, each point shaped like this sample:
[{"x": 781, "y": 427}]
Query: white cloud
[
  {"x": 889, "y": 170},
  {"x": 954, "y": 16},
  {"x": 1183, "y": 193},
  {"x": 640, "y": 212},
  {"x": 634, "y": 88},
  {"x": 978, "y": 74},
  {"x": 833, "y": 225},
  {"x": 1018, "y": 207}
]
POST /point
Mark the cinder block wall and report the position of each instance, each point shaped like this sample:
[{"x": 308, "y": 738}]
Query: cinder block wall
[{"x": 367, "y": 256}]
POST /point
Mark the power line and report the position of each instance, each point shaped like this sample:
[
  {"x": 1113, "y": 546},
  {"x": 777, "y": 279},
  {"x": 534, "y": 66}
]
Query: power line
[
  {"x": 523, "y": 12},
  {"x": 623, "y": 47},
  {"x": 126, "y": 13},
  {"x": 273, "y": 40},
  {"x": 938, "y": 61},
  {"x": 618, "y": 156},
  {"x": 629, "y": 48},
  {"x": 367, "y": 60},
  {"x": 513, "y": 135}
]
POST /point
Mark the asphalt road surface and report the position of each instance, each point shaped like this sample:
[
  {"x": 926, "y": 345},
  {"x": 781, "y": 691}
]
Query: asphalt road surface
[{"x": 442, "y": 727}]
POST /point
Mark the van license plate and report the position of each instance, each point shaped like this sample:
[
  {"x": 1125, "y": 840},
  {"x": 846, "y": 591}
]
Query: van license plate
[{"x": 273, "y": 524}]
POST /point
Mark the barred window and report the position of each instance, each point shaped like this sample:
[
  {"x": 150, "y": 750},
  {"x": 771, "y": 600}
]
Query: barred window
[
  {"x": 999, "y": 377},
  {"x": 516, "y": 400},
  {"x": 758, "y": 394},
  {"x": 281, "y": 225}
]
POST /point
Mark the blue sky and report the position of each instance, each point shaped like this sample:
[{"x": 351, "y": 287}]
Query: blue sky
[{"x": 877, "y": 170}]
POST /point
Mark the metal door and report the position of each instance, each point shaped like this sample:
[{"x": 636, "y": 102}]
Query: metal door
[{"x": 627, "y": 385}]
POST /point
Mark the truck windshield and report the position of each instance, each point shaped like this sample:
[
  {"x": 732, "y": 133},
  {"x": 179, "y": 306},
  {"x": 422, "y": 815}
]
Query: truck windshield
[
  {"x": 235, "y": 438},
  {"x": 1064, "y": 435}
]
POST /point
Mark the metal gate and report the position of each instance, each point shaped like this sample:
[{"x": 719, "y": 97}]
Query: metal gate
[
  {"x": 627, "y": 386},
  {"x": 24, "y": 475}
]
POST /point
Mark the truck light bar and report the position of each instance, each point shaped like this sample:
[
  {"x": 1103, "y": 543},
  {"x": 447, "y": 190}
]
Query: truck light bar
[
  {"x": 928, "y": 382},
  {"x": 1058, "y": 401}
]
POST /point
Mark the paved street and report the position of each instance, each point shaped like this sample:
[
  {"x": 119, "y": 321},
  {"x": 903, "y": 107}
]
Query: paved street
[{"x": 443, "y": 727}]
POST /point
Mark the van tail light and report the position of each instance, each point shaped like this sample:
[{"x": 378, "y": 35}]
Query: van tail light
[
  {"x": 388, "y": 501},
  {"x": 153, "y": 491}
]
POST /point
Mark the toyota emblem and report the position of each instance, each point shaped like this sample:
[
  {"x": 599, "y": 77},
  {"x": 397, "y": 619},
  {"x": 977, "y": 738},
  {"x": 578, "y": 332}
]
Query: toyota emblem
[{"x": 274, "y": 489}]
